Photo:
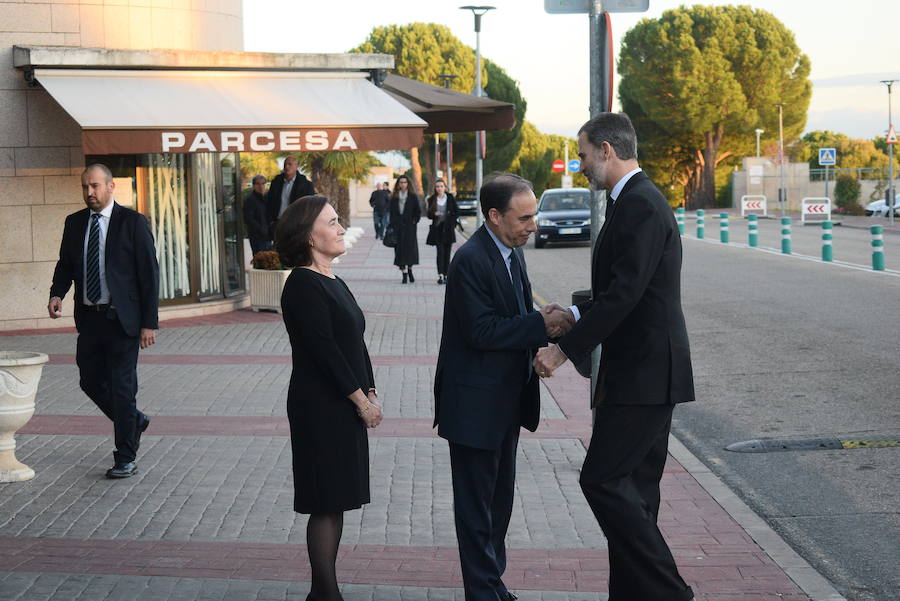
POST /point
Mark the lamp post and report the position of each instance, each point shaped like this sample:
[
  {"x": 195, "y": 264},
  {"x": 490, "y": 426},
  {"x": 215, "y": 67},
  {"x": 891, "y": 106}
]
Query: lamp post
[
  {"x": 891, "y": 196},
  {"x": 477, "y": 12},
  {"x": 758, "y": 132},
  {"x": 448, "y": 79},
  {"x": 782, "y": 193}
]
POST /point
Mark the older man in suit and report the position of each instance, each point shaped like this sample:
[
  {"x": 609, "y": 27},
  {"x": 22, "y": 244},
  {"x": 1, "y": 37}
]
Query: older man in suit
[
  {"x": 645, "y": 365},
  {"x": 107, "y": 250},
  {"x": 485, "y": 389},
  {"x": 286, "y": 187}
]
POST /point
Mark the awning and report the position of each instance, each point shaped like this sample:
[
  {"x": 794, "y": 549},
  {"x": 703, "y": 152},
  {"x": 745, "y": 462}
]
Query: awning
[
  {"x": 152, "y": 111},
  {"x": 447, "y": 110}
]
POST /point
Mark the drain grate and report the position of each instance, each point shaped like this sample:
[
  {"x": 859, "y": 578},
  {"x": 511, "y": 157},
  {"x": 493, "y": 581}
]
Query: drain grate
[{"x": 774, "y": 445}]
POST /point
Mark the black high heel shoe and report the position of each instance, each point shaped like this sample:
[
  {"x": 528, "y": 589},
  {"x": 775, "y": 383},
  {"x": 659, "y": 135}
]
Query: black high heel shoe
[
  {"x": 404, "y": 278},
  {"x": 411, "y": 278}
]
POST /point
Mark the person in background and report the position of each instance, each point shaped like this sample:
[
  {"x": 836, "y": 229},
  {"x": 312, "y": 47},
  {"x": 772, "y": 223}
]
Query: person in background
[
  {"x": 331, "y": 397},
  {"x": 441, "y": 209},
  {"x": 380, "y": 201},
  {"x": 405, "y": 212},
  {"x": 255, "y": 218},
  {"x": 286, "y": 187}
]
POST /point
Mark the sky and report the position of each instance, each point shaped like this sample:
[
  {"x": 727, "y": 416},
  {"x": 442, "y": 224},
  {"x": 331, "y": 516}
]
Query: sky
[{"x": 851, "y": 46}]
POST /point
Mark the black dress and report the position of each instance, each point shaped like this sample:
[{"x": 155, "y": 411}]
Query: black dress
[
  {"x": 330, "y": 360},
  {"x": 407, "y": 250}
]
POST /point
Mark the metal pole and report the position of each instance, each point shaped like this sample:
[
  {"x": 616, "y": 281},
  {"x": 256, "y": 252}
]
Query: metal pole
[
  {"x": 758, "y": 132},
  {"x": 782, "y": 193},
  {"x": 448, "y": 79},
  {"x": 437, "y": 155},
  {"x": 826, "y": 181},
  {"x": 479, "y": 218},
  {"x": 891, "y": 195}
]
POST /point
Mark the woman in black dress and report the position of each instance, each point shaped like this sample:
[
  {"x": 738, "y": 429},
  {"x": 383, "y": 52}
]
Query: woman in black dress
[
  {"x": 406, "y": 211},
  {"x": 332, "y": 397},
  {"x": 441, "y": 209}
]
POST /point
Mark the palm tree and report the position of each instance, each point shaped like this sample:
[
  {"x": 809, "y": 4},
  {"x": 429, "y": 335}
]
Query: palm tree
[{"x": 332, "y": 172}]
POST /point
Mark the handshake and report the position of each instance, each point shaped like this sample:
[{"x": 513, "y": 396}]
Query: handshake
[{"x": 558, "y": 320}]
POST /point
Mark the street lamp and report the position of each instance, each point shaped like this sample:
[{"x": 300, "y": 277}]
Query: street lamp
[
  {"x": 782, "y": 193},
  {"x": 891, "y": 196},
  {"x": 758, "y": 132},
  {"x": 477, "y": 12},
  {"x": 448, "y": 79}
]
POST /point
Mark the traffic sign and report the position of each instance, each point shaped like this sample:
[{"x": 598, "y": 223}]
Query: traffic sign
[
  {"x": 892, "y": 136},
  {"x": 558, "y": 166},
  {"x": 827, "y": 156},
  {"x": 574, "y": 165}
]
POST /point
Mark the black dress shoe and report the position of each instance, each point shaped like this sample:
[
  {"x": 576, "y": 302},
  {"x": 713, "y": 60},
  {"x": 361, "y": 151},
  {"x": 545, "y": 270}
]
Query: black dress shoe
[
  {"x": 145, "y": 423},
  {"x": 122, "y": 470},
  {"x": 510, "y": 596}
]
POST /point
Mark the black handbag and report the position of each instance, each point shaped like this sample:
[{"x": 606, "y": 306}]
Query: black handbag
[
  {"x": 390, "y": 236},
  {"x": 433, "y": 233}
]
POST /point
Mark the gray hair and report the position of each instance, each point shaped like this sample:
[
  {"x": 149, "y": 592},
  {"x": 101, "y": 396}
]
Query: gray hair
[
  {"x": 256, "y": 177},
  {"x": 616, "y": 130}
]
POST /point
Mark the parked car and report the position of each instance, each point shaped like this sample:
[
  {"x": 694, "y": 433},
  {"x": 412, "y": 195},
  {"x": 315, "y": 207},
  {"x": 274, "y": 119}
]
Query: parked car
[
  {"x": 466, "y": 203},
  {"x": 879, "y": 207},
  {"x": 564, "y": 215}
]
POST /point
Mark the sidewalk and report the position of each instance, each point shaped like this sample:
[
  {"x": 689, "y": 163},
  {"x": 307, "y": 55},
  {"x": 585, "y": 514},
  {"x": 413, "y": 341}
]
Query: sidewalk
[{"x": 209, "y": 515}]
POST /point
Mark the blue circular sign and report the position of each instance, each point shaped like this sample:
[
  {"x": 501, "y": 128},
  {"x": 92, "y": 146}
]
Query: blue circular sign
[{"x": 574, "y": 165}]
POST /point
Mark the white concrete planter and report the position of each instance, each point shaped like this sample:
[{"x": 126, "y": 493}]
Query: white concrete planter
[
  {"x": 265, "y": 288},
  {"x": 20, "y": 373}
]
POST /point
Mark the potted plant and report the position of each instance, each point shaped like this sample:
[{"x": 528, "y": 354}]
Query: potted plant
[
  {"x": 266, "y": 279},
  {"x": 20, "y": 373}
]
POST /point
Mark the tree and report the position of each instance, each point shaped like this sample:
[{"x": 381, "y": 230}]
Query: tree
[
  {"x": 846, "y": 194},
  {"x": 698, "y": 80},
  {"x": 422, "y": 51},
  {"x": 331, "y": 173},
  {"x": 852, "y": 153},
  {"x": 534, "y": 158}
]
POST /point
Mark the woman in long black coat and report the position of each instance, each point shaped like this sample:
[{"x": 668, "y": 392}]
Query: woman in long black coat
[
  {"x": 441, "y": 209},
  {"x": 332, "y": 397},
  {"x": 406, "y": 210}
]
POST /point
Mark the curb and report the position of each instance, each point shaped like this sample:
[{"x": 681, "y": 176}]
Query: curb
[{"x": 798, "y": 569}]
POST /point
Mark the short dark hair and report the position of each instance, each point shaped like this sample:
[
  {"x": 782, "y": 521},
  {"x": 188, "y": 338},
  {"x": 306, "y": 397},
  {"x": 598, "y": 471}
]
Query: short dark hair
[
  {"x": 615, "y": 129},
  {"x": 292, "y": 234},
  {"x": 499, "y": 190},
  {"x": 256, "y": 177},
  {"x": 395, "y": 193}
]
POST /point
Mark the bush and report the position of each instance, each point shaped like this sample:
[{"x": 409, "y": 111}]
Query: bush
[
  {"x": 846, "y": 193},
  {"x": 267, "y": 259}
]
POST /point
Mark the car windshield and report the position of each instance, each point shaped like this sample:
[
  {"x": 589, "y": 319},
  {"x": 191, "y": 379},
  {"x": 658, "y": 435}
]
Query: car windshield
[{"x": 566, "y": 202}]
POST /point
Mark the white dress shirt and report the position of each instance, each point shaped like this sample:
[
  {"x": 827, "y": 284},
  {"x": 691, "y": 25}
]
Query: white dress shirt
[
  {"x": 286, "y": 194},
  {"x": 505, "y": 252},
  {"x": 105, "y": 215}
]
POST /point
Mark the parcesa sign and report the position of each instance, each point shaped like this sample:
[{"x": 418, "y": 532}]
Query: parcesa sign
[{"x": 257, "y": 141}]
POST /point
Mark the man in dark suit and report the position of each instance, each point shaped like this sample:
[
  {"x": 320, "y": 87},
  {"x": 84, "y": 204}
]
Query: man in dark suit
[
  {"x": 107, "y": 251},
  {"x": 256, "y": 216},
  {"x": 645, "y": 366},
  {"x": 380, "y": 201},
  {"x": 286, "y": 187},
  {"x": 485, "y": 389}
]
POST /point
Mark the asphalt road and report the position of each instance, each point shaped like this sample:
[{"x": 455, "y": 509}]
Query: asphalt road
[{"x": 790, "y": 348}]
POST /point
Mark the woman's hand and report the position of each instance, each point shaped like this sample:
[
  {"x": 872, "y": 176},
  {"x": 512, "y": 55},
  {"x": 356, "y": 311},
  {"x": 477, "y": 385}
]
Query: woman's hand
[{"x": 370, "y": 413}]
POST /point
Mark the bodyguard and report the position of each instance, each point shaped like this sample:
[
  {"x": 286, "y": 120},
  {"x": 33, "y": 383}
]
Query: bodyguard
[{"x": 107, "y": 250}]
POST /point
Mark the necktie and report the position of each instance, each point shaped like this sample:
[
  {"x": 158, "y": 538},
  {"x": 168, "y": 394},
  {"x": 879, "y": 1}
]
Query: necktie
[
  {"x": 92, "y": 271},
  {"x": 516, "y": 272}
]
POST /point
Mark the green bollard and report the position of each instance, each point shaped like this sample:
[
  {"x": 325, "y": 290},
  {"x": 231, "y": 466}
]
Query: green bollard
[
  {"x": 877, "y": 248},
  {"x": 723, "y": 228},
  {"x": 827, "y": 251},
  {"x": 679, "y": 217},
  {"x": 752, "y": 230},
  {"x": 701, "y": 228},
  {"x": 786, "y": 235}
]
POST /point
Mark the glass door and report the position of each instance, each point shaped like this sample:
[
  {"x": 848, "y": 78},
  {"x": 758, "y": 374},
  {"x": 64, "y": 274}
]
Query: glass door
[
  {"x": 166, "y": 206},
  {"x": 233, "y": 233},
  {"x": 207, "y": 210}
]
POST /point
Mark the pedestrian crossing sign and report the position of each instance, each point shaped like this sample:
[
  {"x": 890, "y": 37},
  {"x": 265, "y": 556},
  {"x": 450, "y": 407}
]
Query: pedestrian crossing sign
[
  {"x": 892, "y": 136},
  {"x": 827, "y": 156}
]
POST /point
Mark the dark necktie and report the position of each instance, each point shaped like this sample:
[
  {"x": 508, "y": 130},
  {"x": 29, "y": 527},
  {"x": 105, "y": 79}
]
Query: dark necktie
[
  {"x": 515, "y": 271},
  {"x": 92, "y": 273}
]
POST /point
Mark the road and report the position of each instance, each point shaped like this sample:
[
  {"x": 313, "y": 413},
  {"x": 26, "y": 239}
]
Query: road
[{"x": 790, "y": 348}]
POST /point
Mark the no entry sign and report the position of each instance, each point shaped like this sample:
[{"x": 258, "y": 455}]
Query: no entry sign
[{"x": 558, "y": 166}]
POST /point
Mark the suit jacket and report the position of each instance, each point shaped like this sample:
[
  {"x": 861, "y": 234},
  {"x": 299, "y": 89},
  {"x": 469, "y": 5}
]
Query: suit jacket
[
  {"x": 256, "y": 217},
  {"x": 484, "y": 382},
  {"x": 380, "y": 201},
  {"x": 635, "y": 309},
  {"x": 132, "y": 273},
  {"x": 302, "y": 187}
]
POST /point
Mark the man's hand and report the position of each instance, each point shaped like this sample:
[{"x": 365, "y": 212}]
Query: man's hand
[
  {"x": 54, "y": 307},
  {"x": 548, "y": 359},
  {"x": 148, "y": 337},
  {"x": 558, "y": 320}
]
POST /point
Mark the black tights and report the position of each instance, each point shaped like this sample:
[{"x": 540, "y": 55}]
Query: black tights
[{"x": 323, "y": 535}]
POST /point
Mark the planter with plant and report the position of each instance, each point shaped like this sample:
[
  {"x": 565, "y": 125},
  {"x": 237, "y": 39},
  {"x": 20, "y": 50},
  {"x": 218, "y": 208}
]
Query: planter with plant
[{"x": 266, "y": 280}]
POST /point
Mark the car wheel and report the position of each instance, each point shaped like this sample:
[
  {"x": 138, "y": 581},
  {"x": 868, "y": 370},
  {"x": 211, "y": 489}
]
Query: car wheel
[
  {"x": 538, "y": 243},
  {"x": 869, "y": 213}
]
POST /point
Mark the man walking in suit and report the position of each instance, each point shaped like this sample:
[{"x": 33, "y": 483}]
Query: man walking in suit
[
  {"x": 485, "y": 389},
  {"x": 107, "y": 251},
  {"x": 645, "y": 366},
  {"x": 380, "y": 201},
  {"x": 286, "y": 187},
  {"x": 256, "y": 216}
]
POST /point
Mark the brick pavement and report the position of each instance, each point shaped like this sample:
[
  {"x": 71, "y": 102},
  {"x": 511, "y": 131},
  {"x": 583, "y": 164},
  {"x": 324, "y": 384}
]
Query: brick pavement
[{"x": 209, "y": 514}]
